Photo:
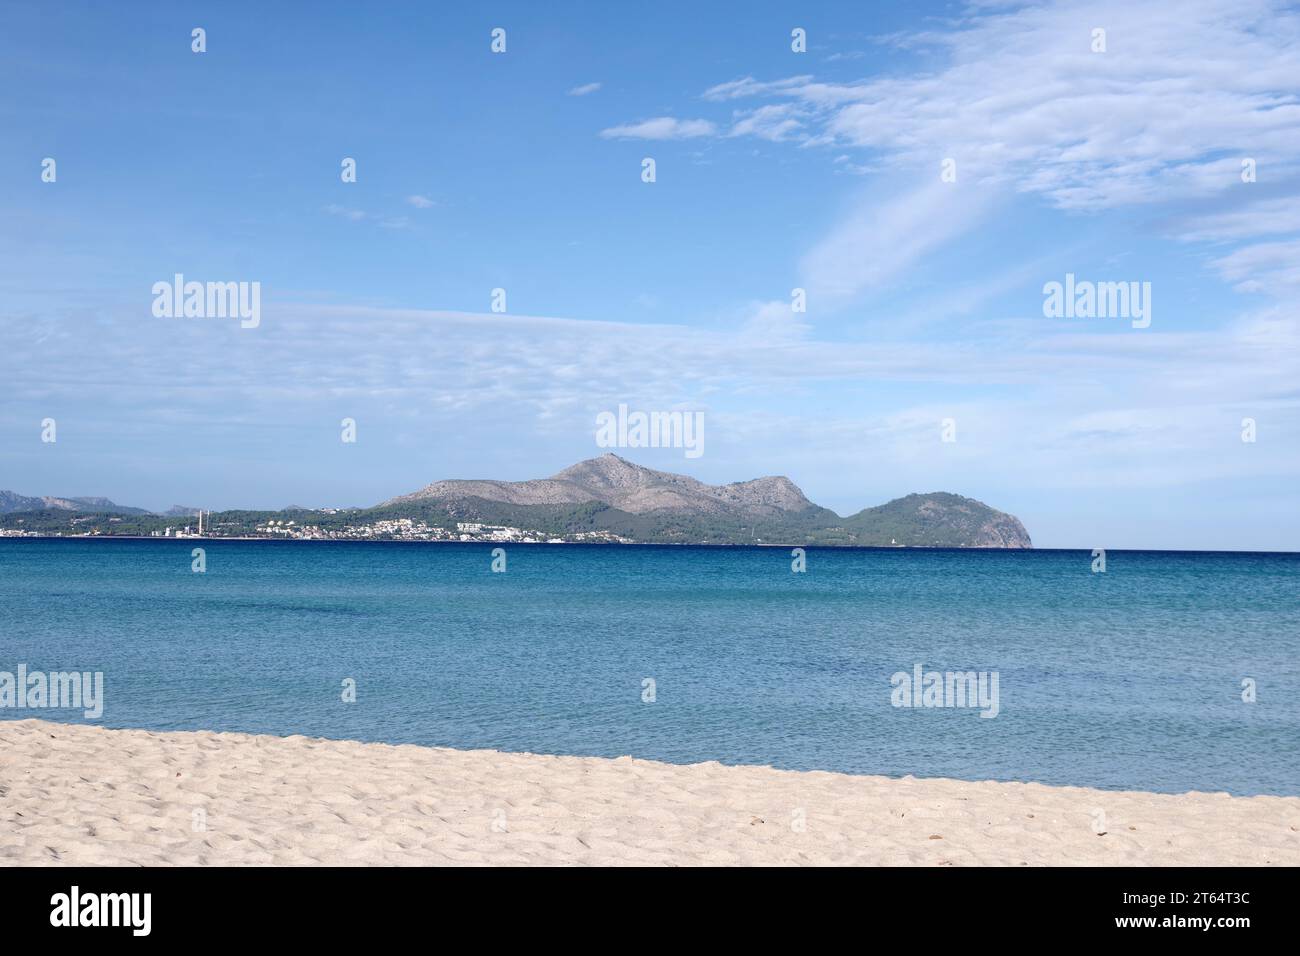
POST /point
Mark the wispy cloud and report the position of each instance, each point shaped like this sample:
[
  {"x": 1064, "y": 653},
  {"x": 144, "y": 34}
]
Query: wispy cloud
[
  {"x": 1270, "y": 267},
  {"x": 354, "y": 215},
  {"x": 383, "y": 221},
  {"x": 880, "y": 239},
  {"x": 661, "y": 127},
  {"x": 1263, "y": 218},
  {"x": 584, "y": 90},
  {"x": 1167, "y": 111},
  {"x": 1021, "y": 103},
  {"x": 776, "y": 122},
  {"x": 420, "y": 202}
]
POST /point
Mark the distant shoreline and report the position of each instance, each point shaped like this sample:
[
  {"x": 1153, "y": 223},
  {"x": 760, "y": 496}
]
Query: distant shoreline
[
  {"x": 499, "y": 544},
  {"x": 631, "y": 544},
  {"x": 602, "y": 500}
]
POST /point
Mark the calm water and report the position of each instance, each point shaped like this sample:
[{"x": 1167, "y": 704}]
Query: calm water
[{"x": 1128, "y": 679}]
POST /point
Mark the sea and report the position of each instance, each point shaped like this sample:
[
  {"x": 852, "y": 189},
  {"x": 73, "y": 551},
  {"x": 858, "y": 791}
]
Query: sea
[{"x": 1167, "y": 671}]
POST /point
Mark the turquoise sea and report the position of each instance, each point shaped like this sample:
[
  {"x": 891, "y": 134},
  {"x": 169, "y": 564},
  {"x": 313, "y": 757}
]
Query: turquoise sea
[{"x": 1132, "y": 678}]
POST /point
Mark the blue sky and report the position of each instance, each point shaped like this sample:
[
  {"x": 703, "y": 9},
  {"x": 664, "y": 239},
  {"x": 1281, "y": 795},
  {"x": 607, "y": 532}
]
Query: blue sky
[{"x": 775, "y": 170}]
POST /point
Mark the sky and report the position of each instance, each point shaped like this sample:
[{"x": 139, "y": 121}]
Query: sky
[{"x": 920, "y": 171}]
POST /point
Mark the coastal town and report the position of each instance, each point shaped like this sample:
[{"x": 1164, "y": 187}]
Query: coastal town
[
  {"x": 409, "y": 529},
  {"x": 306, "y": 528}
]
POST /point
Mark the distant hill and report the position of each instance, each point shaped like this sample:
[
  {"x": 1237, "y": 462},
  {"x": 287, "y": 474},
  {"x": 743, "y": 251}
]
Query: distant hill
[
  {"x": 603, "y": 499},
  {"x": 619, "y": 483},
  {"x": 11, "y": 502},
  {"x": 612, "y": 494},
  {"x": 103, "y": 506},
  {"x": 937, "y": 520}
]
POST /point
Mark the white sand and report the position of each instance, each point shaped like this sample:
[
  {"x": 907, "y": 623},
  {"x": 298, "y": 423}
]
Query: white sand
[{"x": 83, "y": 795}]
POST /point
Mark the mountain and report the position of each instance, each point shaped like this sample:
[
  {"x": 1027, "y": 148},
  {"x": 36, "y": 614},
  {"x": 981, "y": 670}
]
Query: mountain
[
  {"x": 180, "y": 511},
  {"x": 604, "y": 499},
  {"x": 613, "y": 495},
  {"x": 103, "y": 505},
  {"x": 937, "y": 519},
  {"x": 619, "y": 483},
  {"x": 11, "y": 502}
]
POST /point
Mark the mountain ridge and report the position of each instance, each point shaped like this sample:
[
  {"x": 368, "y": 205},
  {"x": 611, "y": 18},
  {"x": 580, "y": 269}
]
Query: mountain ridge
[
  {"x": 605, "y": 498},
  {"x": 622, "y": 484},
  {"x": 936, "y": 518},
  {"x": 11, "y": 502}
]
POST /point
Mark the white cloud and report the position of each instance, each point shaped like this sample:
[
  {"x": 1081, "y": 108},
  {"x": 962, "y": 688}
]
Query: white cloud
[
  {"x": 349, "y": 350},
  {"x": 662, "y": 127},
  {"x": 776, "y": 121},
  {"x": 1180, "y": 96},
  {"x": 1272, "y": 267},
  {"x": 1264, "y": 218},
  {"x": 748, "y": 86},
  {"x": 354, "y": 215},
  {"x": 878, "y": 240},
  {"x": 1018, "y": 99},
  {"x": 420, "y": 202},
  {"x": 584, "y": 90},
  {"x": 775, "y": 321}
]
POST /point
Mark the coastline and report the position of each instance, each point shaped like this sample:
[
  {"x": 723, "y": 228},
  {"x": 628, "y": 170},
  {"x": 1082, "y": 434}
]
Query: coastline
[
  {"x": 1084, "y": 549},
  {"x": 75, "y": 794},
  {"x": 513, "y": 544}
]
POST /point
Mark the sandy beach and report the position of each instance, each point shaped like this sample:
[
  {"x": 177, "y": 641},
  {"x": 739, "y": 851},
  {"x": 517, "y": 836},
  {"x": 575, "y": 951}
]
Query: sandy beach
[{"x": 72, "y": 794}]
